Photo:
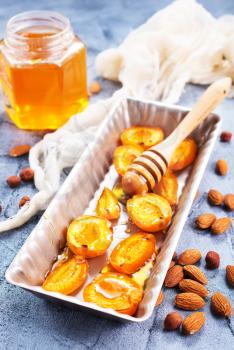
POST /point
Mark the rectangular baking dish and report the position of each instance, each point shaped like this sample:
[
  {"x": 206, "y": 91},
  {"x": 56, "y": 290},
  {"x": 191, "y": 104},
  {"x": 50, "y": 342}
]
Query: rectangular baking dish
[{"x": 79, "y": 195}]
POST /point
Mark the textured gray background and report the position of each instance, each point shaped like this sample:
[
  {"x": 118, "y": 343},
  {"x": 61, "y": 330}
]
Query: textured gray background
[{"x": 30, "y": 323}]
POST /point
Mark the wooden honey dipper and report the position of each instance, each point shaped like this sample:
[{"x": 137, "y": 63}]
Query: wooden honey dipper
[{"x": 151, "y": 165}]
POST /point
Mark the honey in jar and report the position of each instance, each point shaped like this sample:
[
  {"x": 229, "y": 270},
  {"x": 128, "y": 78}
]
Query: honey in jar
[{"x": 42, "y": 70}]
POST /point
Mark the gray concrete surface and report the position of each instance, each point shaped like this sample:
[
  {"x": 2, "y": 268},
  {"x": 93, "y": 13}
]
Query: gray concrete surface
[{"x": 30, "y": 323}]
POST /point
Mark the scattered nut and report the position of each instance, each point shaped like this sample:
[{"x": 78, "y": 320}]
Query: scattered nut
[
  {"x": 174, "y": 276},
  {"x": 229, "y": 201},
  {"x": 95, "y": 87},
  {"x": 212, "y": 260},
  {"x": 189, "y": 257},
  {"x": 27, "y": 174},
  {"x": 220, "y": 305},
  {"x": 230, "y": 274},
  {"x": 24, "y": 200},
  {"x": 215, "y": 197},
  {"x": 13, "y": 181},
  {"x": 160, "y": 299},
  {"x": 221, "y": 225},
  {"x": 195, "y": 273},
  {"x": 225, "y": 136},
  {"x": 189, "y": 301},
  {"x": 172, "y": 321},
  {"x": 193, "y": 323},
  {"x": 205, "y": 220},
  {"x": 187, "y": 285},
  {"x": 221, "y": 167},
  {"x": 19, "y": 150}
]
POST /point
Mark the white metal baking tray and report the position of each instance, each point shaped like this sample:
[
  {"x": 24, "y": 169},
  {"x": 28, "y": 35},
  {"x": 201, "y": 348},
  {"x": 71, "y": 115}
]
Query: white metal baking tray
[{"x": 79, "y": 195}]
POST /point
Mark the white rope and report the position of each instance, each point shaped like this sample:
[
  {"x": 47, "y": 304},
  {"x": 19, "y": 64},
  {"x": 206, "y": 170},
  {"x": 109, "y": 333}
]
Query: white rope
[{"x": 179, "y": 44}]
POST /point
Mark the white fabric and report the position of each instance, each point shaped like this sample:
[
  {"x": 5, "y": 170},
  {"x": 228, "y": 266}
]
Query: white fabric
[{"x": 179, "y": 44}]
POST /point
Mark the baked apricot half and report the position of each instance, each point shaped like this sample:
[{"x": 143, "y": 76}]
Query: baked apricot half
[
  {"x": 115, "y": 291},
  {"x": 67, "y": 276},
  {"x": 89, "y": 236},
  {"x": 144, "y": 136},
  {"x": 150, "y": 212},
  {"x": 168, "y": 187},
  {"x": 132, "y": 253},
  {"x": 184, "y": 155},
  {"x": 108, "y": 206},
  {"x": 124, "y": 156},
  {"x": 119, "y": 192}
]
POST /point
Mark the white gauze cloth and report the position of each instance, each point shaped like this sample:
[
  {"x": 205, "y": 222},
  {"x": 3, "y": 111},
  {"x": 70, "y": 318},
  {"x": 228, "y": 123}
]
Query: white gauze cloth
[{"x": 179, "y": 44}]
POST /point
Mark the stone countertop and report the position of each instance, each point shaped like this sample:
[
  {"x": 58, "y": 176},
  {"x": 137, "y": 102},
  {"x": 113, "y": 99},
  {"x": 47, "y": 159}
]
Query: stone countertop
[{"x": 30, "y": 323}]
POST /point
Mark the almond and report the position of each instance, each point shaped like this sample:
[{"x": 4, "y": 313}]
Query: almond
[
  {"x": 174, "y": 276},
  {"x": 225, "y": 136},
  {"x": 221, "y": 167},
  {"x": 195, "y": 273},
  {"x": 160, "y": 299},
  {"x": 230, "y": 274},
  {"x": 220, "y": 305},
  {"x": 212, "y": 260},
  {"x": 205, "y": 220},
  {"x": 26, "y": 174},
  {"x": 24, "y": 200},
  {"x": 193, "y": 322},
  {"x": 189, "y": 257},
  {"x": 13, "y": 181},
  {"x": 172, "y": 321},
  {"x": 215, "y": 197},
  {"x": 187, "y": 285},
  {"x": 221, "y": 225},
  {"x": 19, "y": 150},
  {"x": 189, "y": 301},
  {"x": 95, "y": 87},
  {"x": 229, "y": 201}
]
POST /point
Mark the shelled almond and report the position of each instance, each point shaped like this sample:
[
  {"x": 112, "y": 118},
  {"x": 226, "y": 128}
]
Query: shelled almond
[
  {"x": 195, "y": 273},
  {"x": 230, "y": 275},
  {"x": 188, "y": 285},
  {"x": 172, "y": 321},
  {"x": 205, "y": 220},
  {"x": 212, "y": 260},
  {"x": 215, "y": 197},
  {"x": 174, "y": 276},
  {"x": 229, "y": 201},
  {"x": 193, "y": 323},
  {"x": 220, "y": 305},
  {"x": 189, "y": 257},
  {"x": 221, "y": 225},
  {"x": 189, "y": 301},
  {"x": 221, "y": 167}
]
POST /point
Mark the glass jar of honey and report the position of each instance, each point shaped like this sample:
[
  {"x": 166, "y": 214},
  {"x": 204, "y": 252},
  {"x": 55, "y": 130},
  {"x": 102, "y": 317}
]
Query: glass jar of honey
[{"x": 42, "y": 70}]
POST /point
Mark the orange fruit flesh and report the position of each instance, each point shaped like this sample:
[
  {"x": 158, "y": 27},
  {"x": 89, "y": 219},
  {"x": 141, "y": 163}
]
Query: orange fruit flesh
[
  {"x": 168, "y": 187},
  {"x": 144, "y": 136},
  {"x": 132, "y": 253},
  {"x": 115, "y": 291},
  {"x": 150, "y": 212},
  {"x": 108, "y": 206},
  {"x": 89, "y": 236},
  {"x": 67, "y": 277},
  {"x": 184, "y": 155},
  {"x": 124, "y": 157}
]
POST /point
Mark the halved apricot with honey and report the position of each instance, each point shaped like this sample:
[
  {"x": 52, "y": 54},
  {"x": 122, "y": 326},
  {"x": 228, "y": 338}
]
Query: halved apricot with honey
[
  {"x": 89, "y": 236},
  {"x": 115, "y": 291},
  {"x": 149, "y": 212},
  {"x": 132, "y": 253},
  {"x": 119, "y": 192},
  {"x": 142, "y": 275},
  {"x": 67, "y": 276},
  {"x": 108, "y": 206},
  {"x": 124, "y": 156},
  {"x": 168, "y": 187},
  {"x": 144, "y": 136},
  {"x": 184, "y": 155}
]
